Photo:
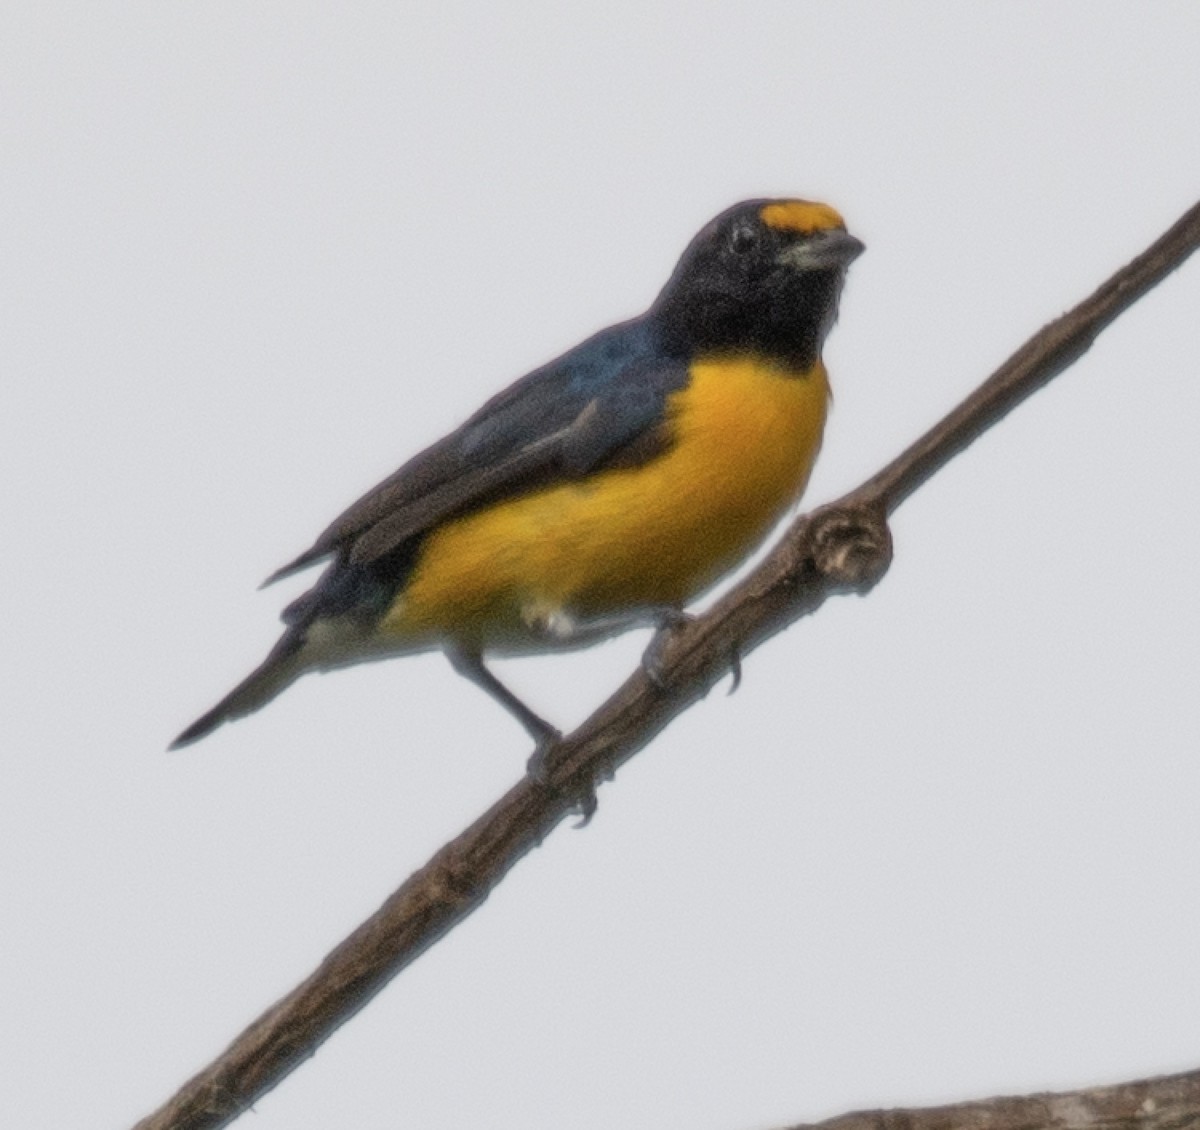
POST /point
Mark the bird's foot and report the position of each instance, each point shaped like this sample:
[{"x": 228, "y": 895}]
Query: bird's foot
[
  {"x": 545, "y": 742},
  {"x": 670, "y": 620},
  {"x": 538, "y": 769}
]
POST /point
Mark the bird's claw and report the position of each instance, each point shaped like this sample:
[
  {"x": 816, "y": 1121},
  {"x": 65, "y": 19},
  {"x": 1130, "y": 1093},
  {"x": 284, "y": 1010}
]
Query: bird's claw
[
  {"x": 735, "y": 669},
  {"x": 538, "y": 770},
  {"x": 587, "y": 805}
]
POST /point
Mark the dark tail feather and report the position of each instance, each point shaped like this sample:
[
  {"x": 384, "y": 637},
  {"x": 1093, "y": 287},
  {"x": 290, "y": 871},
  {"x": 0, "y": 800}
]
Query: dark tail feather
[{"x": 277, "y": 671}]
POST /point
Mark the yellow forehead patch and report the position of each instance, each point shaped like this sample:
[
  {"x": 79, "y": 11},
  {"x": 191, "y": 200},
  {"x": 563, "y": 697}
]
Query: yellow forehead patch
[{"x": 803, "y": 216}]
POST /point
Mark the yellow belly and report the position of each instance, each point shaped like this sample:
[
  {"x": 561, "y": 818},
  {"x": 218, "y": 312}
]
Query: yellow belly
[{"x": 745, "y": 434}]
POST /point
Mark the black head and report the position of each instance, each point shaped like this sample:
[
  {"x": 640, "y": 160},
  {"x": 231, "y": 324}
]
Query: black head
[{"x": 764, "y": 276}]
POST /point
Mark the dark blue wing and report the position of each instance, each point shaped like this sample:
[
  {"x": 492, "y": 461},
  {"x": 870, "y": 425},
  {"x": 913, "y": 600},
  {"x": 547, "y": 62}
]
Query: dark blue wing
[{"x": 603, "y": 402}]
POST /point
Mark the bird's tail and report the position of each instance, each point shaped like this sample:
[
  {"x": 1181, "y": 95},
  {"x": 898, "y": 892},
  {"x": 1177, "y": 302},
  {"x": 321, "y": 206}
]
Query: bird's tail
[{"x": 281, "y": 668}]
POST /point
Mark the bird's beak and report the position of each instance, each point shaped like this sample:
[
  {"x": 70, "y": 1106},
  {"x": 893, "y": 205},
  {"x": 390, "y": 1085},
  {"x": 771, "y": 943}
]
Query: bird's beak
[{"x": 823, "y": 250}]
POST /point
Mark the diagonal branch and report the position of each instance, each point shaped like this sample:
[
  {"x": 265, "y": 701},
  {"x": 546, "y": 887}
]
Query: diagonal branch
[
  {"x": 1168, "y": 1102},
  {"x": 843, "y": 547}
]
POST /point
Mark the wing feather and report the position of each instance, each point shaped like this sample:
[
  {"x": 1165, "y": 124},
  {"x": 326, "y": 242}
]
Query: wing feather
[{"x": 603, "y": 402}]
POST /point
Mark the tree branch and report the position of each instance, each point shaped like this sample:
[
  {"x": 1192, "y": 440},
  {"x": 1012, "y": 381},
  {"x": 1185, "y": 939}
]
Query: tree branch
[
  {"x": 1169, "y": 1102},
  {"x": 843, "y": 547}
]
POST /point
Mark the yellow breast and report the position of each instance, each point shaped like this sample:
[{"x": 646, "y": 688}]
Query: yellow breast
[{"x": 744, "y": 434}]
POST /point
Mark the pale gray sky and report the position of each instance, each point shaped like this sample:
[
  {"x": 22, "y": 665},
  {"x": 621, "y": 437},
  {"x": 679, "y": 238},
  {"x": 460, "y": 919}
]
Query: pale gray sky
[{"x": 943, "y": 843}]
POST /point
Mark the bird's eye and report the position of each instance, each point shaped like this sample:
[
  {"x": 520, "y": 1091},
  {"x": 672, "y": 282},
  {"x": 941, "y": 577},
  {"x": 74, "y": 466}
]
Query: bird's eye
[{"x": 743, "y": 238}]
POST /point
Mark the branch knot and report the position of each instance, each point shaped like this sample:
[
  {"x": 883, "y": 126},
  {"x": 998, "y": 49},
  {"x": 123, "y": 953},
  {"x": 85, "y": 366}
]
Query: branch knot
[{"x": 851, "y": 545}]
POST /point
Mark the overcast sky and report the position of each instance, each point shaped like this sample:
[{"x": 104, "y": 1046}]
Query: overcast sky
[{"x": 943, "y": 843}]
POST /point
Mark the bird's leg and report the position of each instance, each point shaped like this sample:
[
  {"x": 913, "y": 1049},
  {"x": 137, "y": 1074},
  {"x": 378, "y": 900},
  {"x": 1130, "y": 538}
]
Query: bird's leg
[{"x": 469, "y": 663}]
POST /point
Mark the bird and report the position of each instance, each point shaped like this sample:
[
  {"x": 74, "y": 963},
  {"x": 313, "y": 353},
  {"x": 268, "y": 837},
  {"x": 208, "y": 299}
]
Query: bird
[{"x": 601, "y": 492}]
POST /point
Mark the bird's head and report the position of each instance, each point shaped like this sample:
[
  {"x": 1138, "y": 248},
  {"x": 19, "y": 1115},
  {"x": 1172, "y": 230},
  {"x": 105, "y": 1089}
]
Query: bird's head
[{"x": 765, "y": 275}]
